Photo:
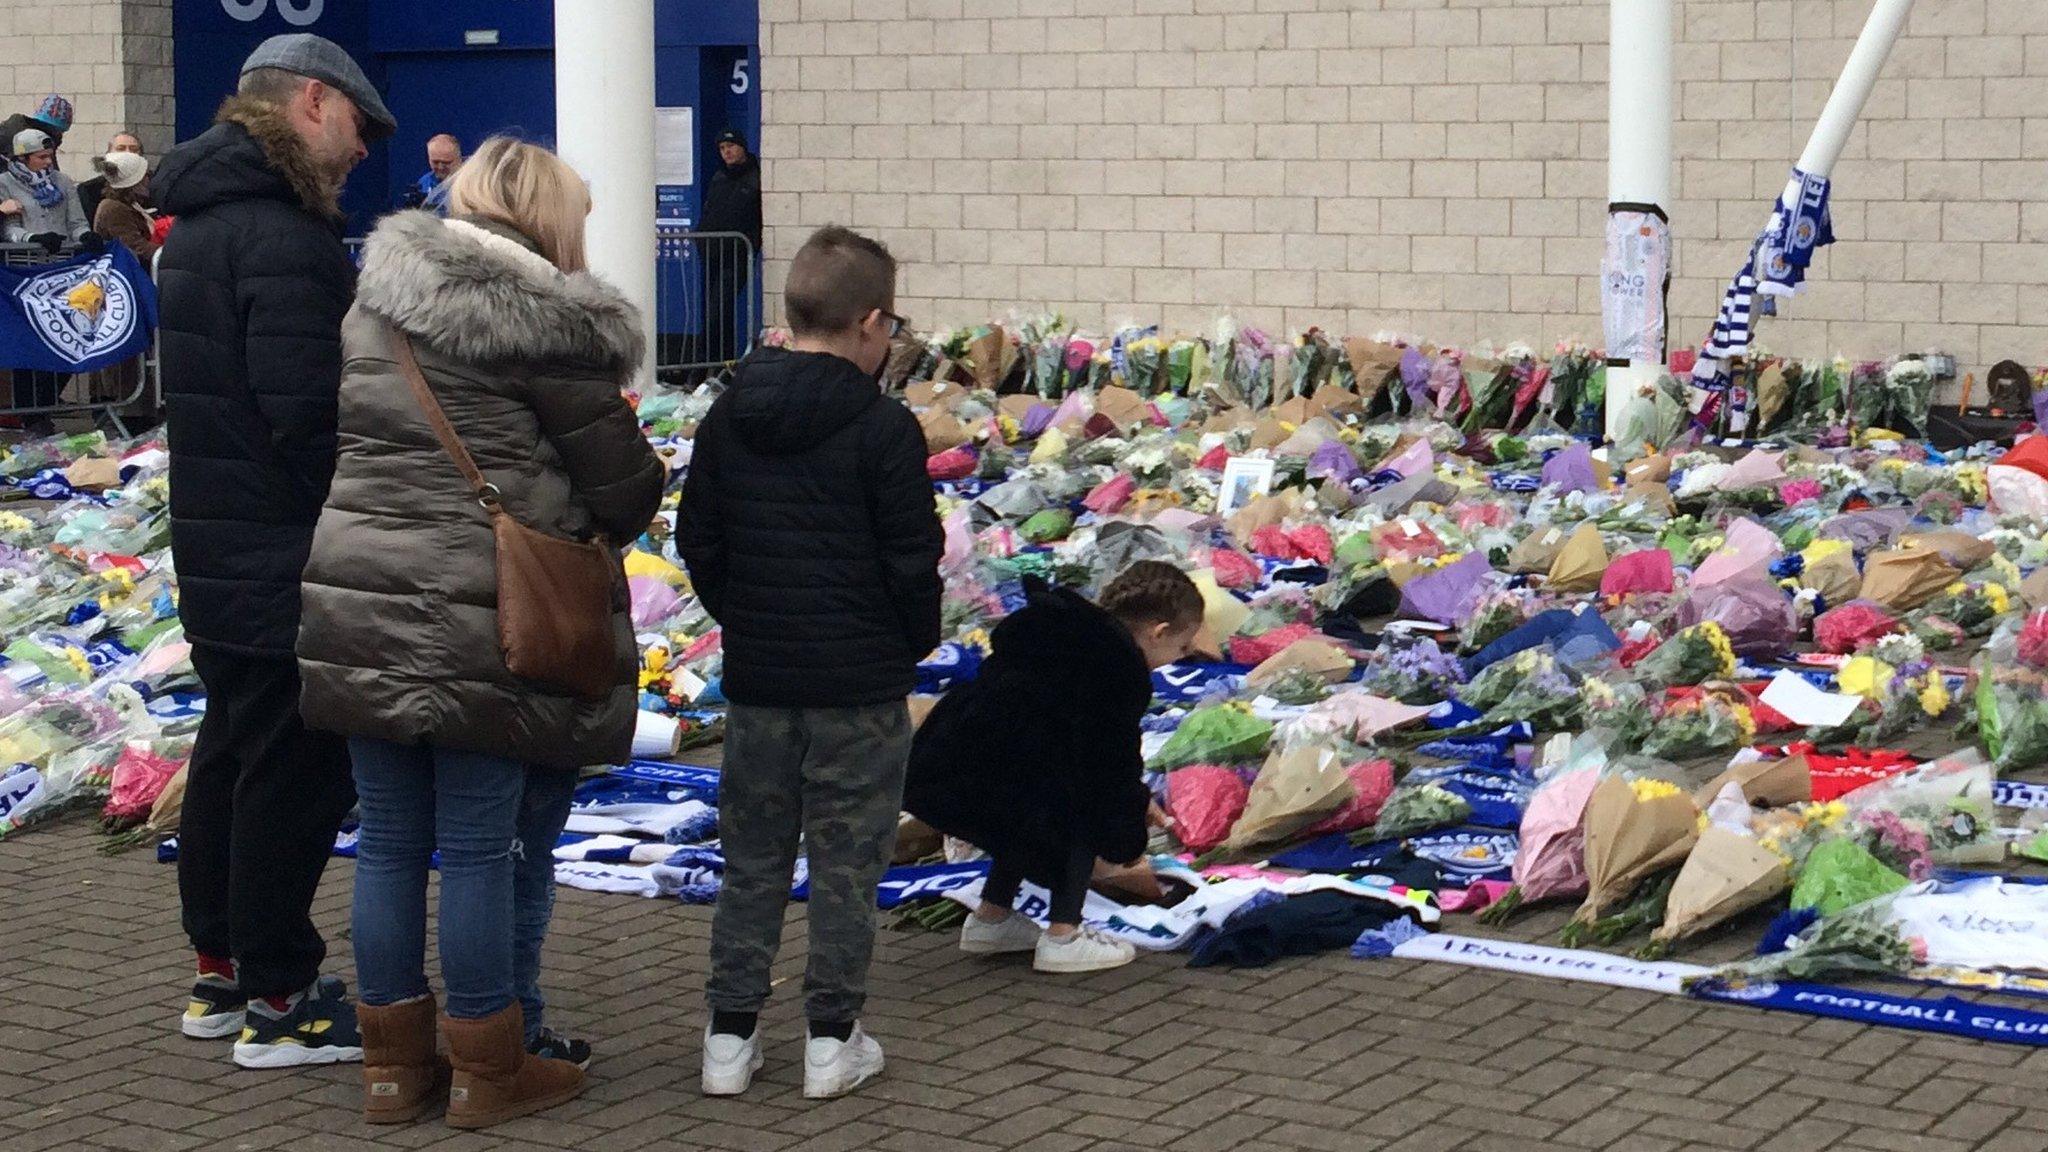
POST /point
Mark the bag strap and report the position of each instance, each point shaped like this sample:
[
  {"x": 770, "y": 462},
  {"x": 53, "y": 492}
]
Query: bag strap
[{"x": 409, "y": 367}]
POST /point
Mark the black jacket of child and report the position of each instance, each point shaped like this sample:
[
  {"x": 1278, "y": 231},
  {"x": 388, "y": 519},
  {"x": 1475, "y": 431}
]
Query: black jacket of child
[
  {"x": 809, "y": 530},
  {"x": 1040, "y": 751}
]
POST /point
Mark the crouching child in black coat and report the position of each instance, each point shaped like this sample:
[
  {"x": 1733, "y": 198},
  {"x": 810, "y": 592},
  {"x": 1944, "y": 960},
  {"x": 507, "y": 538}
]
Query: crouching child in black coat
[{"x": 1037, "y": 761}]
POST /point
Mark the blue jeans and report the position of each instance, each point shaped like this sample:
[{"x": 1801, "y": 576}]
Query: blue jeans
[
  {"x": 415, "y": 800},
  {"x": 542, "y": 811}
]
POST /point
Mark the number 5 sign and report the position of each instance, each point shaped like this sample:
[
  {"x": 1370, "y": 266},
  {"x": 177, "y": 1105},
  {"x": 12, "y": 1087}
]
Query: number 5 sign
[{"x": 297, "y": 13}]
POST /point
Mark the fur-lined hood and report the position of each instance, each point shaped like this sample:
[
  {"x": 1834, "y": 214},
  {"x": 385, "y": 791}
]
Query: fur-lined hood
[
  {"x": 251, "y": 153},
  {"x": 475, "y": 290}
]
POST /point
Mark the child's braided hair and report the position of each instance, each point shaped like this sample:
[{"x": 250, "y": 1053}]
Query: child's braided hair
[{"x": 1153, "y": 592}]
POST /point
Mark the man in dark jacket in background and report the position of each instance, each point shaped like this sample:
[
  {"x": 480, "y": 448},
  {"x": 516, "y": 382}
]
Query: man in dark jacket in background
[
  {"x": 732, "y": 203},
  {"x": 254, "y": 283},
  {"x": 808, "y": 527}
]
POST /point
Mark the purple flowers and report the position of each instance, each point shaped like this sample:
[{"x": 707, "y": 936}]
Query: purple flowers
[{"x": 1417, "y": 672}]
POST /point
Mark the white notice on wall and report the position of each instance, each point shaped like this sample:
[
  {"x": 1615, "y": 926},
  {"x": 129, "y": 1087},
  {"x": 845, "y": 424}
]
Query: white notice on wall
[{"x": 675, "y": 146}]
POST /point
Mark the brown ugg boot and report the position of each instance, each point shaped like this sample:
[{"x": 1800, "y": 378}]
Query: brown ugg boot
[
  {"x": 495, "y": 1080},
  {"x": 403, "y": 1077}
]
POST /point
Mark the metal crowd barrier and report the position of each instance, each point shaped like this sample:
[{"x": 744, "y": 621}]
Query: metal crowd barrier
[
  {"x": 132, "y": 388},
  {"x": 707, "y": 301}
]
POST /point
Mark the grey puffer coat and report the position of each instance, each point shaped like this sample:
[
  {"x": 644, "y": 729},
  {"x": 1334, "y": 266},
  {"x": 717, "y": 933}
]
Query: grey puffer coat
[{"x": 399, "y": 639}]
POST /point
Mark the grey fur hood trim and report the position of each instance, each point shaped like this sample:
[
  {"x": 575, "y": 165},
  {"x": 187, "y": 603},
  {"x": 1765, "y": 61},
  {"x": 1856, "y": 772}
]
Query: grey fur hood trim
[{"x": 467, "y": 298}]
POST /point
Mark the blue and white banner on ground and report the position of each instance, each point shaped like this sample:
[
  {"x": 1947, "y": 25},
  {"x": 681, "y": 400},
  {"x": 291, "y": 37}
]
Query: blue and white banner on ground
[
  {"x": 77, "y": 315},
  {"x": 1949, "y": 1015}
]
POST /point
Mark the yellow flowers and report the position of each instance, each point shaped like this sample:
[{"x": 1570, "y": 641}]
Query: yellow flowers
[
  {"x": 1745, "y": 719},
  {"x": 1648, "y": 790},
  {"x": 14, "y": 522},
  {"x": 1822, "y": 549},
  {"x": 1995, "y": 592},
  {"x": 1598, "y": 693},
  {"x": 1934, "y": 698},
  {"x": 1865, "y": 676},
  {"x": 1717, "y": 638},
  {"x": 1825, "y": 815},
  {"x": 1971, "y": 480}
]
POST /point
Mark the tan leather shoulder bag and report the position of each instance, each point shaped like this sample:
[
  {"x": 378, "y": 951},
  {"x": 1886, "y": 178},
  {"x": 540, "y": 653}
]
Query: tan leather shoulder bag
[{"x": 554, "y": 595}]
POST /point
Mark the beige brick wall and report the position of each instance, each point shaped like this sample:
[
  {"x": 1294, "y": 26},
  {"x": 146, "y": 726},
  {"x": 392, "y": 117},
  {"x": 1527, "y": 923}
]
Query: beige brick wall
[
  {"x": 1434, "y": 166},
  {"x": 110, "y": 58}
]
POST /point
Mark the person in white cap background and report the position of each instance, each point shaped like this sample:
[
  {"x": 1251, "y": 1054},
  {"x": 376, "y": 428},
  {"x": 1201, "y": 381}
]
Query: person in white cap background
[
  {"x": 91, "y": 189},
  {"x": 253, "y": 283},
  {"x": 123, "y": 213},
  {"x": 40, "y": 203}
]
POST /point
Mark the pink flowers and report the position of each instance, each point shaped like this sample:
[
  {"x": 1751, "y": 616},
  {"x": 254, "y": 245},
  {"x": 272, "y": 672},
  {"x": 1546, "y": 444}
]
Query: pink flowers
[
  {"x": 2033, "y": 642},
  {"x": 1800, "y": 491}
]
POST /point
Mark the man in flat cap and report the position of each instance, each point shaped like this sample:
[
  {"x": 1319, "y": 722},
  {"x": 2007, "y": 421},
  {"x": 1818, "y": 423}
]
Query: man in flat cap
[{"x": 254, "y": 282}]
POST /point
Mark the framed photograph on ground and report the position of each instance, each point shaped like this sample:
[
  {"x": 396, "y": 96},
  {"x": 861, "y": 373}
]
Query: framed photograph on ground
[{"x": 1245, "y": 478}]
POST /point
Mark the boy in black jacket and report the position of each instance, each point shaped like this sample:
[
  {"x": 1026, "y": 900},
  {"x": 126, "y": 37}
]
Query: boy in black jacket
[{"x": 810, "y": 534}]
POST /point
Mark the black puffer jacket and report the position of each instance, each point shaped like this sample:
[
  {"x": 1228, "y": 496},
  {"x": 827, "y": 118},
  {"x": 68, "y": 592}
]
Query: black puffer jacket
[
  {"x": 732, "y": 201},
  {"x": 808, "y": 527},
  {"x": 1040, "y": 752},
  {"x": 254, "y": 282}
]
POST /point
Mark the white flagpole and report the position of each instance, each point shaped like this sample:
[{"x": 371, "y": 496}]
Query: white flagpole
[{"x": 1859, "y": 76}]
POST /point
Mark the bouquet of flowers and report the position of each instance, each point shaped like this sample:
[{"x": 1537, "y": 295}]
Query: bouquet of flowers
[
  {"x": 1550, "y": 862},
  {"x": 1852, "y": 626},
  {"x": 1865, "y": 938},
  {"x": 2012, "y": 713},
  {"x": 2031, "y": 644},
  {"x": 1297, "y": 687},
  {"x": 1412, "y": 809},
  {"x": 1143, "y": 359},
  {"x": 1948, "y": 800},
  {"x": 1840, "y": 874},
  {"x": 1498, "y": 680},
  {"x": 1898, "y": 698},
  {"x": 1495, "y": 614},
  {"x": 1635, "y": 829},
  {"x": 1221, "y": 734},
  {"x": 1621, "y": 712},
  {"x": 1728, "y": 872},
  {"x": 1695, "y": 655},
  {"x": 1975, "y": 608},
  {"x": 1698, "y": 724},
  {"x": 1546, "y": 696},
  {"x": 1412, "y": 671}
]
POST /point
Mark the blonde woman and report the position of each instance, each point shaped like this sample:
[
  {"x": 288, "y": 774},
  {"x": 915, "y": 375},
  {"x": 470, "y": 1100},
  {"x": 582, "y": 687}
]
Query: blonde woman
[{"x": 525, "y": 353}]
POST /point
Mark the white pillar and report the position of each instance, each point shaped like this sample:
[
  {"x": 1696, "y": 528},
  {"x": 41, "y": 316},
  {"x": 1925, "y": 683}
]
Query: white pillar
[
  {"x": 604, "y": 127},
  {"x": 1639, "y": 115}
]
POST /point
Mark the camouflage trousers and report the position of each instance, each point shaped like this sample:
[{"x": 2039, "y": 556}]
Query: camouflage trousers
[{"x": 834, "y": 778}]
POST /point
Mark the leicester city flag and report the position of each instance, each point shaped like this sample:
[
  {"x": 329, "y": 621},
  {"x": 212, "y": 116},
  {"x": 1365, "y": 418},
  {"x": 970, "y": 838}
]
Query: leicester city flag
[{"x": 77, "y": 315}]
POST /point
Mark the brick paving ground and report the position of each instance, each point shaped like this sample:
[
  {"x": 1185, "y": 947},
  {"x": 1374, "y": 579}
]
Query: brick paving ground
[{"x": 1321, "y": 1054}]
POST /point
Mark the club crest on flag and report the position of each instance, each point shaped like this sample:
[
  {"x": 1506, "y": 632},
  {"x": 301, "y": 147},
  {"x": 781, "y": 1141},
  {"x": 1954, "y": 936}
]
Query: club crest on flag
[{"x": 79, "y": 312}]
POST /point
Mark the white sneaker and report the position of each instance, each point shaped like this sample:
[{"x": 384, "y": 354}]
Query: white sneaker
[
  {"x": 730, "y": 1062},
  {"x": 832, "y": 1068},
  {"x": 1085, "y": 951},
  {"x": 1013, "y": 933}
]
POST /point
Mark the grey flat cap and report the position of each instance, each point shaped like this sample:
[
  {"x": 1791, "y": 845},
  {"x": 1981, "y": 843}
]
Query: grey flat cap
[{"x": 319, "y": 58}]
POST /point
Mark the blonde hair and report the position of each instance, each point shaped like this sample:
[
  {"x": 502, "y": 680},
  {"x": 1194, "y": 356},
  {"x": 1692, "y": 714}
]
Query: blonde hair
[{"x": 528, "y": 188}]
